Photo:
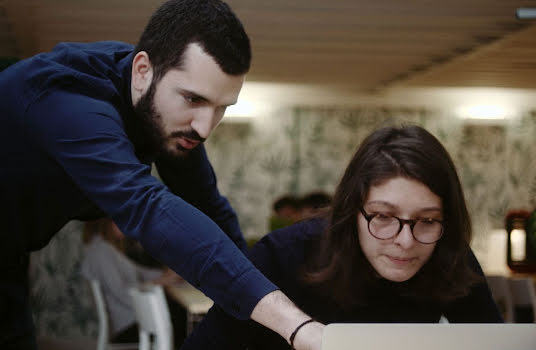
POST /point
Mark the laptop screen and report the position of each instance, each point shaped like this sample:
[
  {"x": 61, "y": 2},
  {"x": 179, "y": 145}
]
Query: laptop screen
[{"x": 430, "y": 336}]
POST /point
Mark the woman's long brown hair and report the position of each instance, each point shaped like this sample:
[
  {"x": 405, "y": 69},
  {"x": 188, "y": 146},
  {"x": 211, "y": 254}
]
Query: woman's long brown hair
[{"x": 338, "y": 267}]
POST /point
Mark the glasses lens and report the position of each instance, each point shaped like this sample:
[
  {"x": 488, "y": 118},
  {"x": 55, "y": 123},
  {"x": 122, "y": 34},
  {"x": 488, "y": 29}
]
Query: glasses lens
[
  {"x": 384, "y": 226},
  {"x": 427, "y": 231}
]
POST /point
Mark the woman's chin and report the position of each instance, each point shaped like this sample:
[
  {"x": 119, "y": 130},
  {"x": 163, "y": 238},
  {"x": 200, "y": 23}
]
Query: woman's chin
[{"x": 397, "y": 275}]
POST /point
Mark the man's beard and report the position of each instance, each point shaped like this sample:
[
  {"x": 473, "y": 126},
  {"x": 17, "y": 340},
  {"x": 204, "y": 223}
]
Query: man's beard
[{"x": 150, "y": 138}]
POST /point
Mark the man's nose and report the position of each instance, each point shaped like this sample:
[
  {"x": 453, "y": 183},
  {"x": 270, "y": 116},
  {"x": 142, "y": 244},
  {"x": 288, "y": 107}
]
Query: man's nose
[{"x": 204, "y": 122}]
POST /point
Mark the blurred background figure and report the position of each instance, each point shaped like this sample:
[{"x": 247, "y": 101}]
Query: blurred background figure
[
  {"x": 135, "y": 252},
  {"x": 286, "y": 211},
  {"x": 313, "y": 203},
  {"x": 104, "y": 260}
]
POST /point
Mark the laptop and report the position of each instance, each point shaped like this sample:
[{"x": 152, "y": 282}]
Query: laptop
[{"x": 430, "y": 336}]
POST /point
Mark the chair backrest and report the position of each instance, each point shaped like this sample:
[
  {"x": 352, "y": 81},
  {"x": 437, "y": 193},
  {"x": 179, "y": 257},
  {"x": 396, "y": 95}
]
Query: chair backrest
[
  {"x": 500, "y": 290},
  {"x": 524, "y": 299},
  {"x": 103, "y": 338},
  {"x": 152, "y": 314}
]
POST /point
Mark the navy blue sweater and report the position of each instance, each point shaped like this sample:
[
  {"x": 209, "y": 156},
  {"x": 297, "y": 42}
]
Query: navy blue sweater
[
  {"x": 67, "y": 153},
  {"x": 281, "y": 254}
]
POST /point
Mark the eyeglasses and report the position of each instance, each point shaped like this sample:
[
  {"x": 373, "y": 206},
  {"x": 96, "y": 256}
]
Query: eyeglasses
[{"x": 426, "y": 231}]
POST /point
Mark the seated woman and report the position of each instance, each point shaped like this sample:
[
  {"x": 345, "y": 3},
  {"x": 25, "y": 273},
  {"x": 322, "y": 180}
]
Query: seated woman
[
  {"x": 104, "y": 261},
  {"x": 394, "y": 247}
]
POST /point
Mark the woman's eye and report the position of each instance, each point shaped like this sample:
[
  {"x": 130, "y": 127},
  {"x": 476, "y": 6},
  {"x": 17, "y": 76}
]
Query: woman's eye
[{"x": 383, "y": 216}]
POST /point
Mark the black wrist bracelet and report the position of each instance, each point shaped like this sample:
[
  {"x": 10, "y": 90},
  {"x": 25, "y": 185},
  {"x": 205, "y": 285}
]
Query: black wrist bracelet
[{"x": 293, "y": 335}]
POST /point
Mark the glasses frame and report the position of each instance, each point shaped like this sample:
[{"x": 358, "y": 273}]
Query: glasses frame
[{"x": 401, "y": 223}]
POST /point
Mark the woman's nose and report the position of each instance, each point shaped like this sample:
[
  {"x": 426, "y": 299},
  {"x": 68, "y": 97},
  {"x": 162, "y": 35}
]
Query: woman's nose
[{"x": 405, "y": 237}]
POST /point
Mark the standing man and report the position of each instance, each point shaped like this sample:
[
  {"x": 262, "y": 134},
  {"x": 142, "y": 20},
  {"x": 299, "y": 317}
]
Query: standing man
[{"x": 80, "y": 128}]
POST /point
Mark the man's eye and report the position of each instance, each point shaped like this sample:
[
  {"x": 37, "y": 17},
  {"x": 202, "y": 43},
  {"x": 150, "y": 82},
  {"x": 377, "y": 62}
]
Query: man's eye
[{"x": 194, "y": 99}]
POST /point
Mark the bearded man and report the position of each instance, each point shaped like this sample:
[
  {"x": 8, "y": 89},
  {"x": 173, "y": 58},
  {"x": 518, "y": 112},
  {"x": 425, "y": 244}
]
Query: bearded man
[{"x": 81, "y": 127}]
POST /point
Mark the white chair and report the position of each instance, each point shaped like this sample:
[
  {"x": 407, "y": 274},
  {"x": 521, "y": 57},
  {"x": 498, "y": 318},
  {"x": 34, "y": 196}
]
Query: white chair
[
  {"x": 103, "y": 339},
  {"x": 524, "y": 298},
  {"x": 500, "y": 290},
  {"x": 153, "y": 317}
]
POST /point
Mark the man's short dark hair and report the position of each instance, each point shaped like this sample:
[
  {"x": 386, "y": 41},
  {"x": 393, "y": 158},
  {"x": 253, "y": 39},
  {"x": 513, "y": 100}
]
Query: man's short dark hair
[{"x": 210, "y": 23}]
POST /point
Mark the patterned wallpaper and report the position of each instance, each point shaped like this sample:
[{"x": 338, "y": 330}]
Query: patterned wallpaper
[
  {"x": 300, "y": 150},
  {"x": 310, "y": 149}
]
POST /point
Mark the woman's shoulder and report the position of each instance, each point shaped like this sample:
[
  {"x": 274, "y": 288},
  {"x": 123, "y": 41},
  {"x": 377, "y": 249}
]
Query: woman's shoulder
[
  {"x": 295, "y": 234},
  {"x": 282, "y": 250}
]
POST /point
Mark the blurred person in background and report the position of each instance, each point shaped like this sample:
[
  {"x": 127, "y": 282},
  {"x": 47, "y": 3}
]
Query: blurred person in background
[
  {"x": 314, "y": 203},
  {"x": 285, "y": 212},
  {"x": 104, "y": 260}
]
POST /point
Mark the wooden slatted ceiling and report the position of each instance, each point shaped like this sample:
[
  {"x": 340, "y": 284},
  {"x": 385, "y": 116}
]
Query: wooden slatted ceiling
[{"x": 359, "y": 44}]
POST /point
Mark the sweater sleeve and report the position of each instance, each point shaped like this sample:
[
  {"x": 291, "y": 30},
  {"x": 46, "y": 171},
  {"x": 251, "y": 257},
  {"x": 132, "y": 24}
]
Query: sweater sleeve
[
  {"x": 219, "y": 330},
  {"x": 276, "y": 255},
  {"x": 86, "y": 138}
]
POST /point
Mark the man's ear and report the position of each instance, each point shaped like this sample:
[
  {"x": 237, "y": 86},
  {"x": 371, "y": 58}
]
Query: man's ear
[{"x": 142, "y": 72}]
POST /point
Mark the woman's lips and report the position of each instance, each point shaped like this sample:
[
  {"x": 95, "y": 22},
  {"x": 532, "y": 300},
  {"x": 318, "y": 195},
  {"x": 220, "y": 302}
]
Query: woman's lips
[{"x": 399, "y": 260}]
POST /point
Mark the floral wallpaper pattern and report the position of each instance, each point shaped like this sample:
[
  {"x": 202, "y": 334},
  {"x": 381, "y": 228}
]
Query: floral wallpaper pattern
[{"x": 300, "y": 150}]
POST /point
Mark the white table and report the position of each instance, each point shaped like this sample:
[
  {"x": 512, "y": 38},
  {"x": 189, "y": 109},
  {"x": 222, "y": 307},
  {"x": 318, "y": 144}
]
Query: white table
[{"x": 194, "y": 301}]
